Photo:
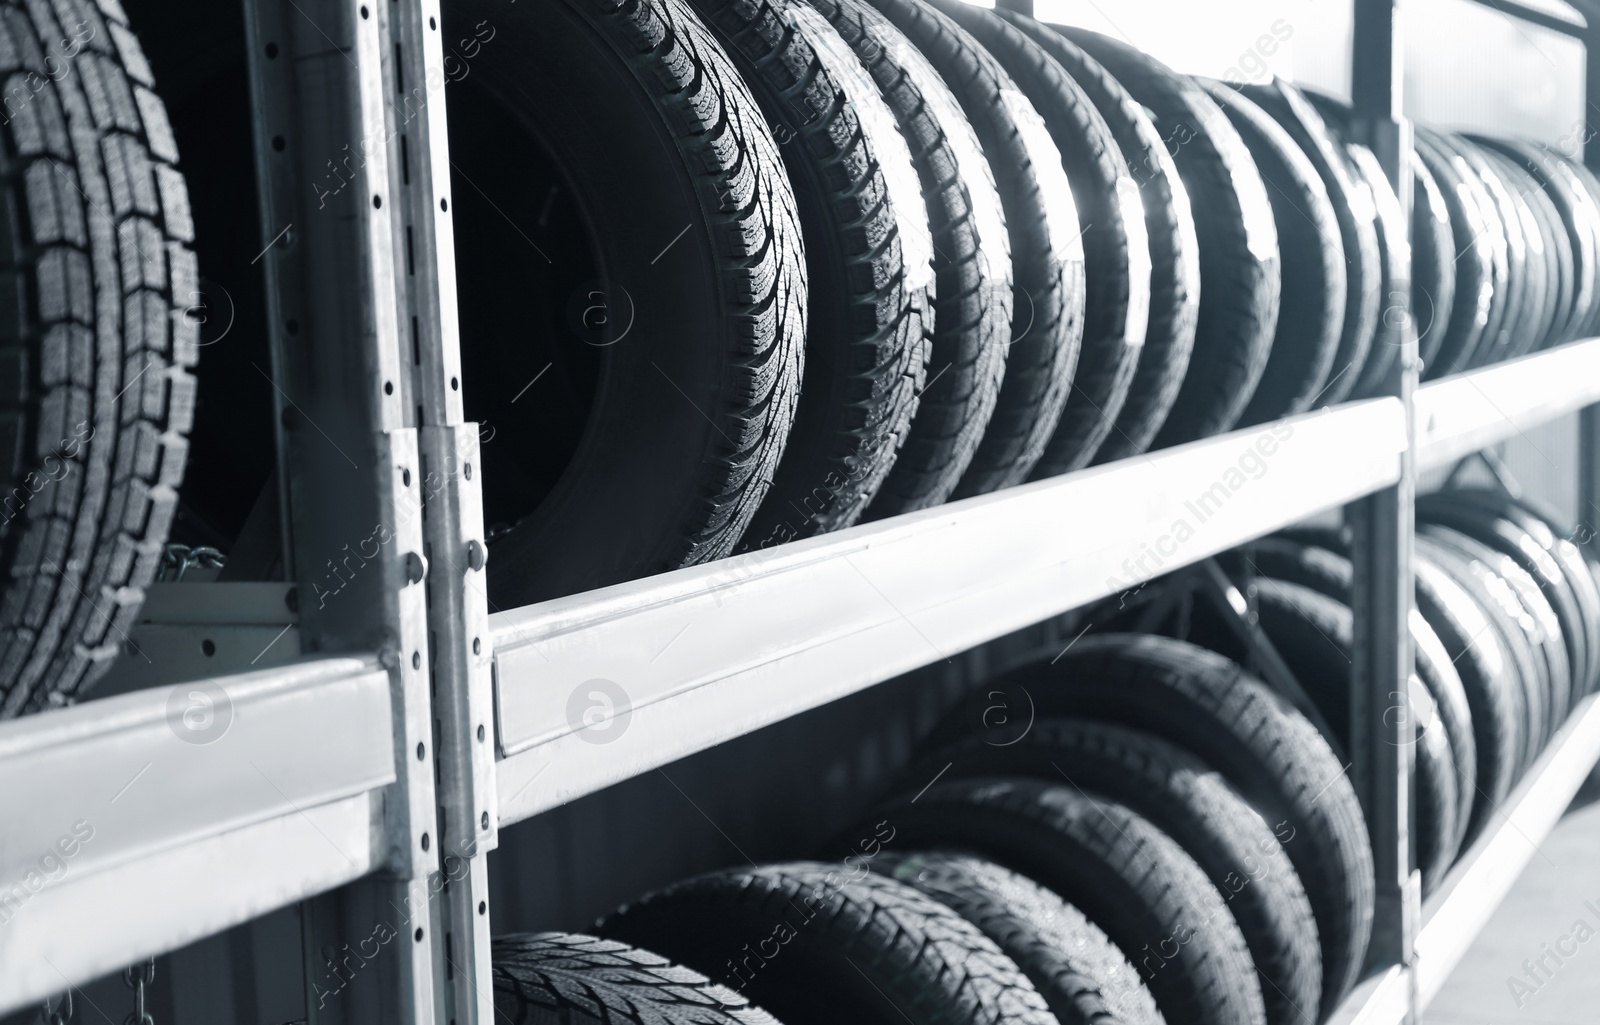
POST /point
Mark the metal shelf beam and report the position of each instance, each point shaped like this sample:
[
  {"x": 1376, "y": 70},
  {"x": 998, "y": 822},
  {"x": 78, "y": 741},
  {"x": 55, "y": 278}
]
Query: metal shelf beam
[
  {"x": 1466, "y": 413},
  {"x": 670, "y": 665},
  {"x": 136, "y": 824}
]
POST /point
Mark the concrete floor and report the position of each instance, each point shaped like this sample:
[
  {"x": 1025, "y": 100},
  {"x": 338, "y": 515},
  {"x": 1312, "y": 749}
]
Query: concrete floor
[{"x": 1541, "y": 914}]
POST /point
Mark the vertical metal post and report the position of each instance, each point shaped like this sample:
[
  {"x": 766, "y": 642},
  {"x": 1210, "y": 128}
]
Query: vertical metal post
[
  {"x": 1381, "y": 732},
  {"x": 1589, "y": 418},
  {"x": 458, "y": 608},
  {"x": 323, "y": 82}
]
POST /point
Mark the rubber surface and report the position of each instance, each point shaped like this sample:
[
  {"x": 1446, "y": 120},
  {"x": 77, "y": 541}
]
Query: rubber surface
[
  {"x": 1561, "y": 570},
  {"x": 1046, "y": 250},
  {"x": 1472, "y": 562},
  {"x": 1115, "y": 249},
  {"x": 1269, "y": 752},
  {"x": 1503, "y": 249},
  {"x": 543, "y": 978},
  {"x": 1352, "y": 205},
  {"x": 1567, "y": 622},
  {"x": 694, "y": 397},
  {"x": 1484, "y": 666},
  {"x": 1562, "y": 188},
  {"x": 972, "y": 263},
  {"x": 1239, "y": 263},
  {"x": 1170, "y": 232},
  {"x": 1129, "y": 878},
  {"x": 96, "y": 395},
  {"x": 816, "y": 944},
  {"x": 1081, "y": 974},
  {"x": 869, "y": 259},
  {"x": 1533, "y": 311},
  {"x": 1312, "y": 299},
  {"x": 1185, "y": 799},
  {"x": 1329, "y": 573},
  {"x": 1528, "y": 671},
  {"x": 1475, "y": 282},
  {"x": 1433, "y": 263},
  {"x": 1314, "y": 634},
  {"x": 1547, "y": 241},
  {"x": 1394, "y": 264},
  {"x": 1588, "y": 188}
]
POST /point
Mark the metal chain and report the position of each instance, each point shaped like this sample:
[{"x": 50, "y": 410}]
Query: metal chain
[
  {"x": 57, "y": 1010},
  {"x": 177, "y": 559},
  {"x": 137, "y": 977}
]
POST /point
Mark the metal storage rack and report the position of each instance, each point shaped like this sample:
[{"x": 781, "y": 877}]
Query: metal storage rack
[{"x": 369, "y": 777}]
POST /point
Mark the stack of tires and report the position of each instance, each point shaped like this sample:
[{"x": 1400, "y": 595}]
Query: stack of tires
[
  {"x": 806, "y": 263},
  {"x": 1505, "y": 633},
  {"x": 1504, "y": 240},
  {"x": 1135, "y": 830}
]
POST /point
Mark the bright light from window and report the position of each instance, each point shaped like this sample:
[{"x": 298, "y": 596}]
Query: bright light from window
[{"x": 1238, "y": 40}]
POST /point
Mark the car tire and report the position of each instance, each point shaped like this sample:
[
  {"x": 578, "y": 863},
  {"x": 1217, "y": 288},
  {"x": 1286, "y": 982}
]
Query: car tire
[
  {"x": 1174, "y": 247},
  {"x": 96, "y": 395},
  {"x": 1268, "y": 751},
  {"x": 1312, "y": 297},
  {"x": 581, "y": 980},
  {"x": 1081, "y": 974},
  {"x": 694, "y": 396},
  {"x": 816, "y": 944},
  {"x": 1181, "y": 796},
  {"x": 1115, "y": 249},
  {"x": 972, "y": 263},
  {"x": 1046, "y": 251},
  {"x": 1125, "y": 875},
  {"x": 1239, "y": 262}
]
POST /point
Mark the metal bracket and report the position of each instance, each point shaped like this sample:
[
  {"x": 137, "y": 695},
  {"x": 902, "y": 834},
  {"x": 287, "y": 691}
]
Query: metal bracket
[
  {"x": 1503, "y": 477},
  {"x": 194, "y": 631}
]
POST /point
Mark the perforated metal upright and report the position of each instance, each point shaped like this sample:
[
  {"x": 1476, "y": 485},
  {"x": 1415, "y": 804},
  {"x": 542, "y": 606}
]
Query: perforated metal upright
[
  {"x": 1381, "y": 726},
  {"x": 382, "y": 517}
]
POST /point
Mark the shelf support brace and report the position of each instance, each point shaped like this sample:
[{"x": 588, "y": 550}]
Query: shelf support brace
[
  {"x": 1588, "y": 521},
  {"x": 1382, "y": 524}
]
